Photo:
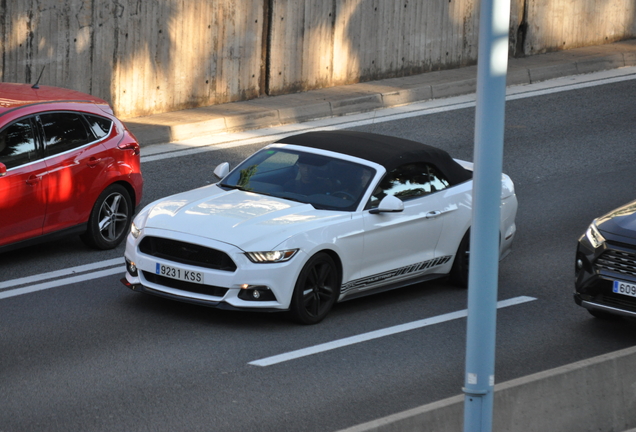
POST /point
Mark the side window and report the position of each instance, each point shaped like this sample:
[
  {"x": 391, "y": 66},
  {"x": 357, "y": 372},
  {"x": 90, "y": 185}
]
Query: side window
[
  {"x": 17, "y": 144},
  {"x": 436, "y": 179},
  {"x": 99, "y": 125},
  {"x": 407, "y": 182},
  {"x": 64, "y": 131}
]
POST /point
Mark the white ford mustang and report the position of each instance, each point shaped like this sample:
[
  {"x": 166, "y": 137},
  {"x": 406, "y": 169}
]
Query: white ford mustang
[{"x": 309, "y": 221}]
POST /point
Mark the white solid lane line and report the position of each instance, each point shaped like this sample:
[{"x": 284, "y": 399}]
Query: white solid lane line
[
  {"x": 280, "y": 358},
  {"x": 61, "y": 282},
  {"x": 61, "y": 273}
]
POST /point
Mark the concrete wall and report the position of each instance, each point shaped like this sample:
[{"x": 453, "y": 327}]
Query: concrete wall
[
  {"x": 594, "y": 395},
  {"x": 154, "y": 56},
  {"x": 333, "y": 43},
  {"x": 143, "y": 56},
  {"x": 552, "y": 25}
]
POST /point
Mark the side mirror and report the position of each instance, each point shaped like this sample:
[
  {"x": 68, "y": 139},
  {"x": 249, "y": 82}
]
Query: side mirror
[
  {"x": 3, "y": 169},
  {"x": 222, "y": 170},
  {"x": 389, "y": 204}
]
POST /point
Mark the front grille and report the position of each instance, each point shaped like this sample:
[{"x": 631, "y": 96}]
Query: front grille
[
  {"x": 185, "y": 286},
  {"x": 618, "y": 262},
  {"x": 187, "y": 253},
  {"x": 618, "y": 301}
]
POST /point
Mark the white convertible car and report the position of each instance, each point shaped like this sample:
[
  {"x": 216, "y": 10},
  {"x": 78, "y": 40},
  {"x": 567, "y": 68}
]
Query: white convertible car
[{"x": 309, "y": 221}]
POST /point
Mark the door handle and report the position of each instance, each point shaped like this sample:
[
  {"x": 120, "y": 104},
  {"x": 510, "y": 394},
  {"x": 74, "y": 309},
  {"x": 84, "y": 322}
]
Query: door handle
[
  {"x": 433, "y": 214},
  {"x": 33, "y": 180},
  {"x": 93, "y": 162}
]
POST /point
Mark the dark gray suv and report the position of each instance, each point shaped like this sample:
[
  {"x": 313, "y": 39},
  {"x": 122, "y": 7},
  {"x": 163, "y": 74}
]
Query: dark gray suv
[{"x": 606, "y": 265}]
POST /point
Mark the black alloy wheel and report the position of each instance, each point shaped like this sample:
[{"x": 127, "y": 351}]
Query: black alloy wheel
[
  {"x": 459, "y": 271},
  {"x": 316, "y": 290},
  {"x": 110, "y": 218}
]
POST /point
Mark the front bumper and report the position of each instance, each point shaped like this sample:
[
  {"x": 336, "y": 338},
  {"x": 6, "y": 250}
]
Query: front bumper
[
  {"x": 220, "y": 288},
  {"x": 595, "y": 272},
  {"x": 185, "y": 299}
]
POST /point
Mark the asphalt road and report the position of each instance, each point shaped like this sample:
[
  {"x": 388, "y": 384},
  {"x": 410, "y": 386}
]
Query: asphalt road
[{"x": 94, "y": 356}]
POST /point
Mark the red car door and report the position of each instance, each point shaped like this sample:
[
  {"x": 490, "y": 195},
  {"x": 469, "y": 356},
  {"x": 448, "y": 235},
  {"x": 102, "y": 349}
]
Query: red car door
[
  {"x": 75, "y": 161},
  {"x": 23, "y": 187}
]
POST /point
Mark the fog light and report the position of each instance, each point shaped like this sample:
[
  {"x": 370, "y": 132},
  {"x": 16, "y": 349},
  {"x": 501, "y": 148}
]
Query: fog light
[
  {"x": 579, "y": 264},
  {"x": 131, "y": 268},
  {"x": 255, "y": 293}
]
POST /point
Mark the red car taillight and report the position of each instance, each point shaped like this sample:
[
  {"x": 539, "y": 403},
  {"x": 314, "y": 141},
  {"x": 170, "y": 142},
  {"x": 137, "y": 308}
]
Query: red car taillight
[{"x": 129, "y": 146}]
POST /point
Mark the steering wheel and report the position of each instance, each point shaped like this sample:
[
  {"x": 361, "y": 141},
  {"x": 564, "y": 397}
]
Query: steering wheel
[{"x": 343, "y": 195}]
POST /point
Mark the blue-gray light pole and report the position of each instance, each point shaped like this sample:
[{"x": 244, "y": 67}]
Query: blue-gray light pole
[{"x": 492, "y": 64}]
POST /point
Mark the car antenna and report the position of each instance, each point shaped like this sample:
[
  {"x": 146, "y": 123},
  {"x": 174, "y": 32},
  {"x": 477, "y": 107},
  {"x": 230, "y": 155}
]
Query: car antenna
[{"x": 36, "y": 85}]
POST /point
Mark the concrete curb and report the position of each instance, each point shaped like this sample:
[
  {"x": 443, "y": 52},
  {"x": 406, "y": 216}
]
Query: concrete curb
[
  {"x": 546, "y": 401},
  {"x": 339, "y": 101}
]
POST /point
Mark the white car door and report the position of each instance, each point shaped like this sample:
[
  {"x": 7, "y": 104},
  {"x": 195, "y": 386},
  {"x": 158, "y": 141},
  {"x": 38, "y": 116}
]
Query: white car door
[
  {"x": 402, "y": 245},
  {"x": 393, "y": 241}
]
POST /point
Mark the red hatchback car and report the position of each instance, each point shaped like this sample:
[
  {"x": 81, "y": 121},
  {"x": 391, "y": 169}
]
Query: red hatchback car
[{"x": 67, "y": 165}]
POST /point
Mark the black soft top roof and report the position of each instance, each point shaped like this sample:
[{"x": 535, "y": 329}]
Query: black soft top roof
[{"x": 384, "y": 150}]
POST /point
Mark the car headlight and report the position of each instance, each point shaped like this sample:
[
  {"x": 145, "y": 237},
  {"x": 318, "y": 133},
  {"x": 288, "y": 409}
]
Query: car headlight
[
  {"x": 139, "y": 222},
  {"x": 271, "y": 256},
  {"x": 594, "y": 236},
  {"x": 136, "y": 232}
]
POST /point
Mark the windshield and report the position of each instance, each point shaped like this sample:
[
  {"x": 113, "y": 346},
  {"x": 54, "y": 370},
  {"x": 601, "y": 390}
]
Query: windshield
[{"x": 324, "y": 182}]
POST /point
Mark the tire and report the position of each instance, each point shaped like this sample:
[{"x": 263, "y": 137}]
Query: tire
[
  {"x": 110, "y": 218},
  {"x": 316, "y": 290},
  {"x": 459, "y": 271}
]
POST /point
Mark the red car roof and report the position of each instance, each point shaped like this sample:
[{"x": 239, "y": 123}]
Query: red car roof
[{"x": 16, "y": 95}]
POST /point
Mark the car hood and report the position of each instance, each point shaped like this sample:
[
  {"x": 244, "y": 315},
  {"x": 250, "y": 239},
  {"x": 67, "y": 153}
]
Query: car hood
[
  {"x": 247, "y": 220},
  {"x": 619, "y": 222}
]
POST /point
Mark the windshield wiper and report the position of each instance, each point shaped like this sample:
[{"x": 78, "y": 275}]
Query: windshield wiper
[
  {"x": 244, "y": 189},
  {"x": 234, "y": 187}
]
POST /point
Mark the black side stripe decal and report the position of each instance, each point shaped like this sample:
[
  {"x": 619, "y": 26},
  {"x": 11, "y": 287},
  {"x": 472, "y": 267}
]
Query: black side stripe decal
[{"x": 391, "y": 274}]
